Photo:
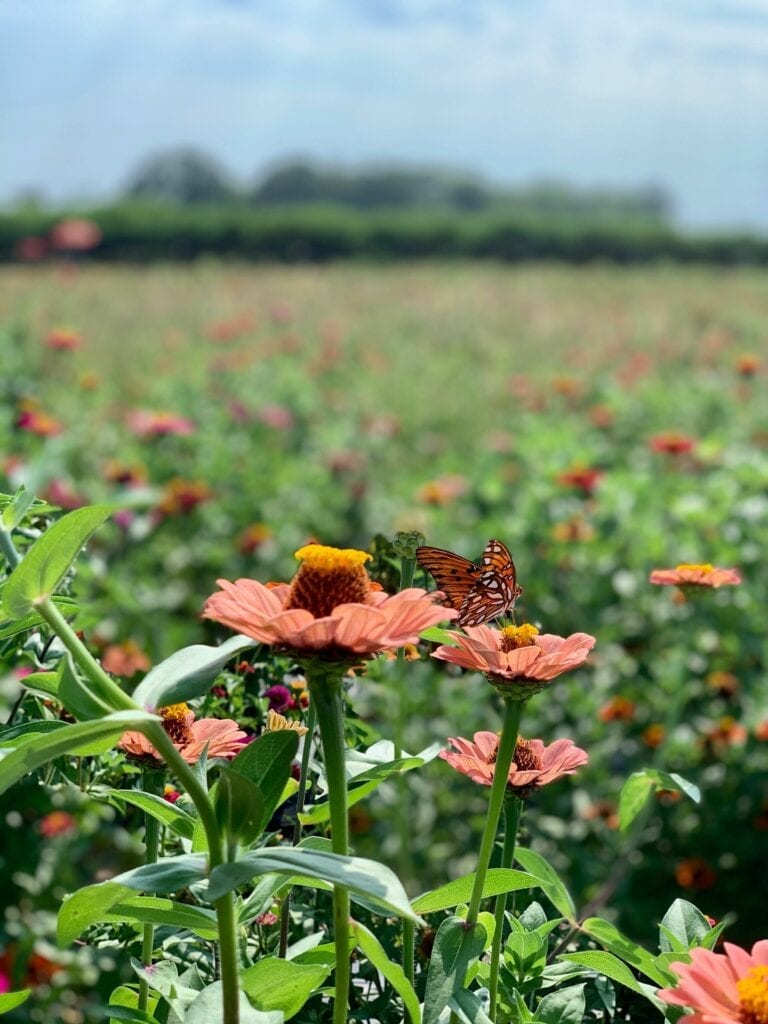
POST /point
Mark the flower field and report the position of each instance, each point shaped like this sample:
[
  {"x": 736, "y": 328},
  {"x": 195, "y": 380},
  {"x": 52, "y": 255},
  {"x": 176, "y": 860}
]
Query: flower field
[{"x": 593, "y": 764}]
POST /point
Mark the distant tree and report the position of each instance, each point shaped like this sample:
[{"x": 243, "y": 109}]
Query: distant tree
[{"x": 181, "y": 176}]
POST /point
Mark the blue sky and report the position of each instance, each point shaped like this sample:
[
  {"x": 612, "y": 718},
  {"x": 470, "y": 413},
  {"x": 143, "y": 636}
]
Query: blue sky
[{"x": 608, "y": 92}]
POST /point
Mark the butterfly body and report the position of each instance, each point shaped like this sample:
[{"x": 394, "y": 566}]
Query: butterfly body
[{"x": 478, "y": 591}]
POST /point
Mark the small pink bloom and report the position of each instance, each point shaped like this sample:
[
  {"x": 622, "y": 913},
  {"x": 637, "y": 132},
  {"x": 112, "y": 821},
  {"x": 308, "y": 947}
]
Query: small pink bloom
[
  {"x": 125, "y": 659},
  {"x": 31, "y": 249},
  {"x": 35, "y": 421},
  {"x": 56, "y": 823},
  {"x": 63, "y": 494},
  {"x": 277, "y": 417},
  {"x": 267, "y": 919},
  {"x": 331, "y": 605},
  {"x": 722, "y": 988},
  {"x": 146, "y": 423},
  {"x": 517, "y": 656},
  {"x": 533, "y": 766},
  {"x": 686, "y": 575},
  {"x": 170, "y": 794},
  {"x": 63, "y": 339},
  {"x": 75, "y": 235},
  {"x": 222, "y": 736}
]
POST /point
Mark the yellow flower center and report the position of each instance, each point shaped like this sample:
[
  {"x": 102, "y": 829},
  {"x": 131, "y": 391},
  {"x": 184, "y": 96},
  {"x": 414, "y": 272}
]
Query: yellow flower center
[
  {"x": 176, "y": 722},
  {"x": 514, "y": 637},
  {"x": 706, "y": 567},
  {"x": 328, "y": 577},
  {"x": 753, "y": 996}
]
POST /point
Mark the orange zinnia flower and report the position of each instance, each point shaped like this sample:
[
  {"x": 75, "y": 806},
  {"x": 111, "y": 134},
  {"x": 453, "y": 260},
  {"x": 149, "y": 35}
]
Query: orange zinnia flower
[
  {"x": 581, "y": 478},
  {"x": 533, "y": 764},
  {"x": 64, "y": 339},
  {"x": 330, "y": 608},
  {"x": 146, "y": 423},
  {"x": 518, "y": 660},
  {"x": 672, "y": 443},
  {"x": 726, "y": 988},
  {"x": 688, "y": 575},
  {"x": 221, "y": 736}
]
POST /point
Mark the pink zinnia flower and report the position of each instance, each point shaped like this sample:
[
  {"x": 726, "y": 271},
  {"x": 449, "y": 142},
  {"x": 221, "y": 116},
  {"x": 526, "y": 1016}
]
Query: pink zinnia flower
[
  {"x": 331, "y": 608},
  {"x": 145, "y": 423},
  {"x": 722, "y": 988},
  {"x": 687, "y": 575},
  {"x": 75, "y": 235},
  {"x": 518, "y": 660},
  {"x": 64, "y": 339},
  {"x": 222, "y": 736},
  {"x": 533, "y": 764}
]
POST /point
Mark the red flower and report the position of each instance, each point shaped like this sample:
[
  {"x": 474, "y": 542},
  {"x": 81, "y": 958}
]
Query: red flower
[
  {"x": 56, "y": 823},
  {"x": 63, "y": 339},
  {"x": 581, "y": 478},
  {"x": 671, "y": 442},
  {"x": 617, "y": 709},
  {"x": 145, "y": 423}
]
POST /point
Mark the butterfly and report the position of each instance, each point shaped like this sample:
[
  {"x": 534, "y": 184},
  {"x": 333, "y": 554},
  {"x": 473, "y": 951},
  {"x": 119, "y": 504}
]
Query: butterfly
[{"x": 478, "y": 591}]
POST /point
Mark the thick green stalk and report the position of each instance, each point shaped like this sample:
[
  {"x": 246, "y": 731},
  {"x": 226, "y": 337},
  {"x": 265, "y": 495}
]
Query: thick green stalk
[
  {"x": 325, "y": 692},
  {"x": 512, "y": 811},
  {"x": 409, "y": 930},
  {"x": 300, "y": 797},
  {"x": 151, "y": 782},
  {"x": 507, "y": 744}
]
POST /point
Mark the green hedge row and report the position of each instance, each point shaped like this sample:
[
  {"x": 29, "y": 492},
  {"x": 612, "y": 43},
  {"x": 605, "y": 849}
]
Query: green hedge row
[{"x": 136, "y": 232}]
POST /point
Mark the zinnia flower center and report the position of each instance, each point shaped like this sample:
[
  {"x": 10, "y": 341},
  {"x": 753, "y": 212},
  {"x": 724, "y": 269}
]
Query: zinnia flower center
[
  {"x": 328, "y": 577},
  {"x": 526, "y": 759},
  {"x": 706, "y": 567},
  {"x": 753, "y": 996},
  {"x": 176, "y": 722},
  {"x": 514, "y": 637}
]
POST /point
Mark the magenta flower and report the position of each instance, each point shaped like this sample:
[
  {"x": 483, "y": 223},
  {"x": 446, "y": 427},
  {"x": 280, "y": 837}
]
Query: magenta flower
[{"x": 534, "y": 764}]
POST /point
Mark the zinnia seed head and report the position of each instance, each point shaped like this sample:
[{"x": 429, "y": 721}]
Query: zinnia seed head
[
  {"x": 514, "y": 637},
  {"x": 177, "y": 718},
  {"x": 328, "y": 577},
  {"x": 753, "y": 995}
]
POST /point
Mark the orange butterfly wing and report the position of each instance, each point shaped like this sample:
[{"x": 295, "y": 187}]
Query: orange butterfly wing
[
  {"x": 477, "y": 592},
  {"x": 454, "y": 575}
]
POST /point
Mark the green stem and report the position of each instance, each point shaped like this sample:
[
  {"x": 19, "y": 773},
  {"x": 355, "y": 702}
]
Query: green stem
[
  {"x": 507, "y": 744},
  {"x": 9, "y": 549},
  {"x": 151, "y": 783},
  {"x": 224, "y": 907},
  {"x": 105, "y": 686},
  {"x": 300, "y": 797},
  {"x": 513, "y": 808},
  {"x": 325, "y": 692},
  {"x": 409, "y": 930}
]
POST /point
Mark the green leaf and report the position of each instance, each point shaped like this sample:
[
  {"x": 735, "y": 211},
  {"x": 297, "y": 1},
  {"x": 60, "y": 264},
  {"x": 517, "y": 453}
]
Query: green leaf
[
  {"x": 393, "y": 972},
  {"x": 65, "y": 605},
  {"x": 19, "y": 732},
  {"x": 187, "y": 673},
  {"x": 274, "y": 984},
  {"x": 437, "y": 635},
  {"x": 170, "y": 815},
  {"x": 130, "y": 1014},
  {"x": 457, "y": 944},
  {"x": 170, "y": 874},
  {"x": 207, "y": 1009},
  {"x": 76, "y": 695},
  {"x": 633, "y": 797},
  {"x": 640, "y": 785},
  {"x": 615, "y": 969},
  {"x": 114, "y": 903},
  {"x": 45, "y": 683},
  {"x": 10, "y": 1000},
  {"x": 73, "y": 739},
  {"x": 266, "y": 762},
  {"x": 551, "y": 885},
  {"x": 15, "y": 510},
  {"x": 564, "y": 1007},
  {"x": 468, "y": 1007},
  {"x": 497, "y": 880},
  {"x": 239, "y": 806},
  {"x": 609, "y": 936},
  {"x": 366, "y": 878},
  {"x": 46, "y": 563},
  {"x": 163, "y": 977},
  {"x": 685, "y": 923}
]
